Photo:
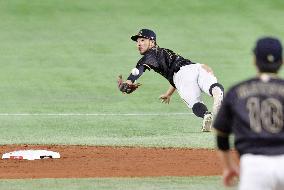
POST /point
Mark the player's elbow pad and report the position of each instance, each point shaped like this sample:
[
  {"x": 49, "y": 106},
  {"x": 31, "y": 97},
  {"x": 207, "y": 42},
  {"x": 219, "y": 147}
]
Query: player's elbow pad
[{"x": 223, "y": 143}]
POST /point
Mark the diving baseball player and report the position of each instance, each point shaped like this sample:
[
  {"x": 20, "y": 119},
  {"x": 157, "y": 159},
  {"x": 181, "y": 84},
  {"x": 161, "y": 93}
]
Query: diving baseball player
[
  {"x": 188, "y": 78},
  {"x": 253, "y": 111}
]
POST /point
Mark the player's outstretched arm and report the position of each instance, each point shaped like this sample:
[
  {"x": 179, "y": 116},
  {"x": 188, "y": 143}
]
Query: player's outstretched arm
[
  {"x": 130, "y": 84},
  {"x": 166, "y": 97}
]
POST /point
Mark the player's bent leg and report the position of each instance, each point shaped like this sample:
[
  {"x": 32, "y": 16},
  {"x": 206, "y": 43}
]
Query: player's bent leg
[
  {"x": 187, "y": 84},
  {"x": 205, "y": 78},
  {"x": 200, "y": 110},
  {"x": 217, "y": 92},
  {"x": 208, "y": 84}
]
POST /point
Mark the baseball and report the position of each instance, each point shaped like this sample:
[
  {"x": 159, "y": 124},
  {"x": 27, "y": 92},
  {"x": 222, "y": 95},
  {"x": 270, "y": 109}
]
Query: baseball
[{"x": 135, "y": 72}]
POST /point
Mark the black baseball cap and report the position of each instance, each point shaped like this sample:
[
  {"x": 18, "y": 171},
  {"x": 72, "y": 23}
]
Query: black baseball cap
[
  {"x": 268, "y": 50},
  {"x": 144, "y": 33}
]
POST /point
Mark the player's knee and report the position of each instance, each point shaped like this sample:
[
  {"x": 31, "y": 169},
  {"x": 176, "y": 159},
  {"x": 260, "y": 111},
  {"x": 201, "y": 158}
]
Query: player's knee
[
  {"x": 199, "y": 109},
  {"x": 216, "y": 86}
]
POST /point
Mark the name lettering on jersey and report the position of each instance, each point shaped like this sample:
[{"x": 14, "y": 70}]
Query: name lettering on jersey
[{"x": 247, "y": 90}]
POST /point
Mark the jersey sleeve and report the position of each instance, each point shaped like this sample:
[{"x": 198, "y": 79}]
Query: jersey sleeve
[{"x": 223, "y": 120}]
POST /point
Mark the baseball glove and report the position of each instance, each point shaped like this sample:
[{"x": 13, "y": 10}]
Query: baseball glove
[{"x": 125, "y": 87}]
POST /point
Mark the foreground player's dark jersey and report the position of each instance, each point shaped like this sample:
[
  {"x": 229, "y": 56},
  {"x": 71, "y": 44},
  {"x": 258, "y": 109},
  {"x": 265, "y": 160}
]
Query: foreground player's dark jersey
[
  {"x": 163, "y": 61},
  {"x": 254, "y": 111}
]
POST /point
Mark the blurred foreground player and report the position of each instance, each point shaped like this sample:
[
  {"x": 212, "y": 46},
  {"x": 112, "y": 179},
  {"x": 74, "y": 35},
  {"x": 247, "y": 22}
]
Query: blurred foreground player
[{"x": 253, "y": 111}]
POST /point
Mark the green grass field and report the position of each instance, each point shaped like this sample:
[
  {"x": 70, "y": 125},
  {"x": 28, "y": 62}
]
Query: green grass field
[
  {"x": 165, "y": 183},
  {"x": 63, "y": 57}
]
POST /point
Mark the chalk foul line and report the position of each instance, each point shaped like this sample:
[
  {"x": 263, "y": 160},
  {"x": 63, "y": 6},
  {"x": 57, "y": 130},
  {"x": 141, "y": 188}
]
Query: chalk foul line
[{"x": 94, "y": 114}]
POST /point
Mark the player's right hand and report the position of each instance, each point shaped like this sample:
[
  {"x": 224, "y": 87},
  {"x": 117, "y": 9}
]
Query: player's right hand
[
  {"x": 165, "y": 98},
  {"x": 230, "y": 176}
]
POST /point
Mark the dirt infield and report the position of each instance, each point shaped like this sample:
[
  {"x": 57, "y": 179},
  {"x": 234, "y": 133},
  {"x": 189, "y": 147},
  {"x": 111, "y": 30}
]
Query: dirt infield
[{"x": 94, "y": 161}]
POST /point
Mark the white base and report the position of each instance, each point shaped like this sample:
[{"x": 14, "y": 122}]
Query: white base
[{"x": 31, "y": 154}]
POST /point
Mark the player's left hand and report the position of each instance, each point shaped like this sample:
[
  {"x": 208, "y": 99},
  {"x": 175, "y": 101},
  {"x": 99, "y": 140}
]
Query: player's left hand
[
  {"x": 126, "y": 87},
  {"x": 165, "y": 98}
]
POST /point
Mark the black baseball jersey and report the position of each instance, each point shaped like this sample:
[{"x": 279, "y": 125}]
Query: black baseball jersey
[
  {"x": 163, "y": 61},
  {"x": 253, "y": 111}
]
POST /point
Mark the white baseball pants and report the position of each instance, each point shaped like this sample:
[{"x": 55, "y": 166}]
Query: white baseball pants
[
  {"x": 191, "y": 81},
  {"x": 261, "y": 172}
]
